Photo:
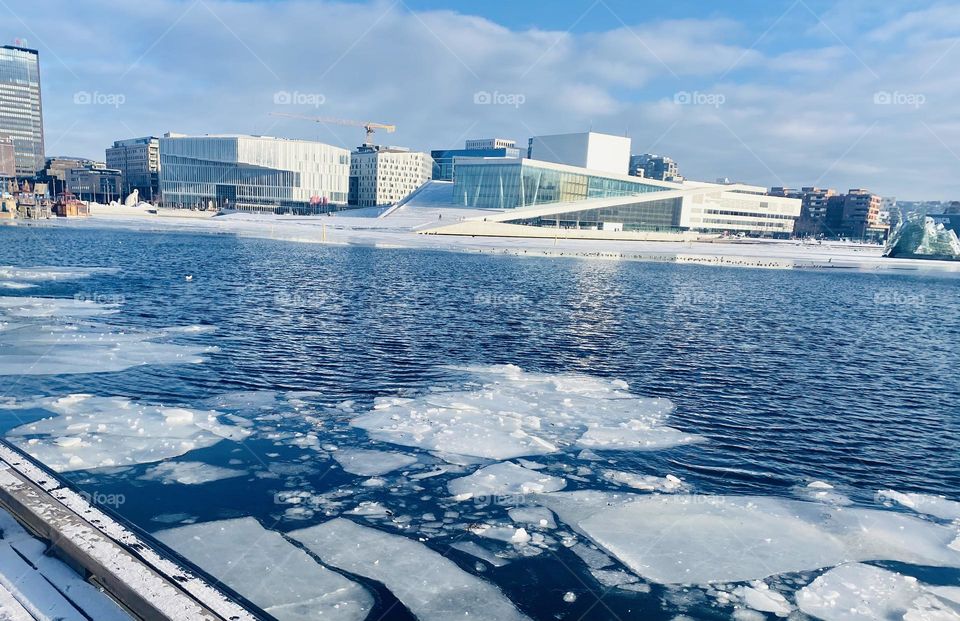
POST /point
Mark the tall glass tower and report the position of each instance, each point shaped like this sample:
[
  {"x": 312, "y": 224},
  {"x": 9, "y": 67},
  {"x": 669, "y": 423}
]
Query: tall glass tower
[{"x": 21, "y": 115}]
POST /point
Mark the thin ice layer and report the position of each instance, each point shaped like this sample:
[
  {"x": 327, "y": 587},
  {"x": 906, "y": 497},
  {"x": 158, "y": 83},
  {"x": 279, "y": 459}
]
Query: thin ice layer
[
  {"x": 52, "y": 336},
  {"x": 269, "y": 571},
  {"x": 368, "y": 463},
  {"x": 188, "y": 473},
  {"x": 433, "y": 587},
  {"x": 701, "y": 539},
  {"x": 96, "y": 432},
  {"x": 504, "y": 479},
  {"x": 858, "y": 592},
  {"x": 513, "y": 413}
]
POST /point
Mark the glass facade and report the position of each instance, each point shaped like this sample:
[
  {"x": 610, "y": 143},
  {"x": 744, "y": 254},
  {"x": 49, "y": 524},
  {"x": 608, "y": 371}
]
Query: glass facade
[
  {"x": 443, "y": 160},
  {"x": 21, "y": 114},
  {"x": 658, "y": 215},
  {"x": 509, "y": 185},
  {"x": 253, "y": 173}
]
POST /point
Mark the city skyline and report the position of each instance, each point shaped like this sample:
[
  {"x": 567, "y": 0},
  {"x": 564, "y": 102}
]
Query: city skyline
[{"x": 791, "y": 94}]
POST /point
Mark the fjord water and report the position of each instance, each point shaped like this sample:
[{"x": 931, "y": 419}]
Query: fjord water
[{"x": 789, "y": 377}]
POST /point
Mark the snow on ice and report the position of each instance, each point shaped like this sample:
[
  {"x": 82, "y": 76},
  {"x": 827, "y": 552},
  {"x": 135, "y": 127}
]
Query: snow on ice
[
  {"x": 369, "y": 463},
  {"x": 97, "y": 432},
  {"x": 513, "y": 413}
]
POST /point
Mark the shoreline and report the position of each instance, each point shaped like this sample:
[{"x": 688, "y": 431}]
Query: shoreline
[{"x": 344, "y": 230}]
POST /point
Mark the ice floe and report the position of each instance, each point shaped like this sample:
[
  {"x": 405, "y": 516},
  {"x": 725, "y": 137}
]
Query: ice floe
[
  {"x": 504, "y": 479},
  {"x": 858, "y": 592},
  {"x": 270, "y": 571},
  {"x": 188, "y": 473},
  {"x": 12, "y": 274},
  {"x": 703, "y": 539},
  {"x": 513, "y": 413},
  {"x": 821, "y": 491},
  {"x": 96, "y": 432},
  {"x": 758, "y": 596},
  {"x": 928, "y": 504},
  {"x": 433, "y": 587},
  {"x": 669, "y": 483},
  {"x": 47, "y": 336},
  {"x": 369, "y": 463}
]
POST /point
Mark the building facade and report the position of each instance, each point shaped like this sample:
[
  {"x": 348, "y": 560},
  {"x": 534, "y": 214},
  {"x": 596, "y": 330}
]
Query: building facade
[
  {"x": 257, "y": 174},
  {"x": 386, "y": 175},
  {"x": 861, "y": 216},
  {"x": 95, "y": 183},
  {"x": 653, "y": 166},
  {"x": 139, "y": 161},
  {"x": 21, "y": 111},
  {"x": 444, "y": 160},
  {"x": 57, "y": 169},
  {"x": 8, "y": 158},
  {"x": 600, "y": 152}
]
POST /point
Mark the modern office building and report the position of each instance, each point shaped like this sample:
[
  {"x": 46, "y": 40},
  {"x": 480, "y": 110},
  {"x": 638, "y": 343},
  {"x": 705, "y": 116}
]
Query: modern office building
[
  {"x": 252, "y": 173},
  {"x": 57, "y": 169},
  {"x": 139, "y": 161},
  {"x": 814, "y": 209},
  {"x": 96, "y": 183},
  {"x": 444, "y": 159},
  {"x": 21, "y": 112},
  {"x": 652, "y": 166},
  {"x": 385, "y": 175},
  {"x": 536, "y": 193},
  {"x": 600, "y": 152}
]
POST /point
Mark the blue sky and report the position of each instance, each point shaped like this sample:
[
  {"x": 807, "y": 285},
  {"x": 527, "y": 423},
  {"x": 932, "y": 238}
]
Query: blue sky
[{"x": 803, "y": 92}]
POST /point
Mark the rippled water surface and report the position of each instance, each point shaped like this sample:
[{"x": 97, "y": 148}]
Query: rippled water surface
[{"x": 790, "y": 377}]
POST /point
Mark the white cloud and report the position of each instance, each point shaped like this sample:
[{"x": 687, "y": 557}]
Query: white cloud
[{"x": 798, "y": 102}]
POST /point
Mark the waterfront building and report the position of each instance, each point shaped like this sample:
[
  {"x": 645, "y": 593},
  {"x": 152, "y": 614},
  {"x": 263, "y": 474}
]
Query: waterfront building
[
  {"x": 385, "y": 175},
  {"x": 139, "y": 161},
  {"x": 591, "y": 150},
  {"x": 56, "y": 169},
  {"x": 258, "y": 174},
  {"x": 95, "y": 183},
  {"x": 861, "y": 216},
  {"x": 444, "y": 159},
  {"x": 8, "y": 158},
  {"x": 653, "y": 166},
  {"x": 537, "y": 193},
  {"x": 21, "y": 112},
  {"x": 813, "y": 209}
]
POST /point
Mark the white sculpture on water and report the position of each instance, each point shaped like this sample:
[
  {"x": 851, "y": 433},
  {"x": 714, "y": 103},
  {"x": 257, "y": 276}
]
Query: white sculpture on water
[{"x": 133, "y": 199}]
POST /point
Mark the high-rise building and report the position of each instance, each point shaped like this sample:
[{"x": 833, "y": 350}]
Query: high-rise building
[
  {"x": 8, "y": 158},
  {"x": 139, "y": 161},
  {"x": 21, "y": 113},
  {"x": 590, "y": 150},
  {"x": 653, "y": 166},
  {"x": 252, "y": 173},
  {"x": 385, "y": 175},
  {"x": 444, "y": 159}
]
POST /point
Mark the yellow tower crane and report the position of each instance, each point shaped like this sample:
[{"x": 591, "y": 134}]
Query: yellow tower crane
[{"x": 369, "y": 126}]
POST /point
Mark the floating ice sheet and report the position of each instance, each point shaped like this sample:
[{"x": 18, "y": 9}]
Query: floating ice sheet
[
  {"x": 368, "y": 463},
  {"x": 702, "y": 539},
  {"x": 513, "y": 413},
  {"x": 269, "y": 571},
  {"x": 504, "y": 479},
  {"x": 49, "y": 336},
  {"x": 188, "y": 473},
  {"x": 44, "y": 273},
  {"x": 433, "y": 587},
  {"x": 859, "y": 592},
  {"x": 97, "y": 432}
]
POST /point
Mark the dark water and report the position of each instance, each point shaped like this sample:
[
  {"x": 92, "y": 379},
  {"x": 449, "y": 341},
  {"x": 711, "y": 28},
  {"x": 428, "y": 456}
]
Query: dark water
[{"x": 791, "y": 376}]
